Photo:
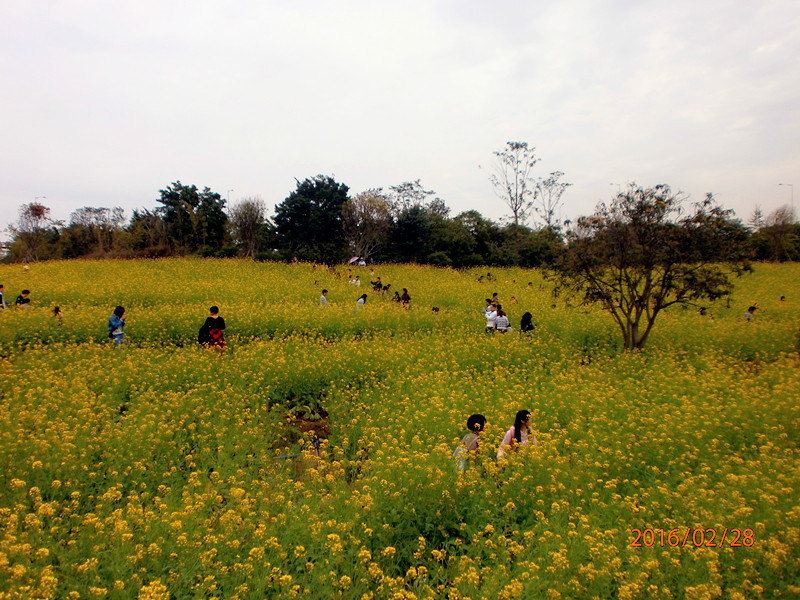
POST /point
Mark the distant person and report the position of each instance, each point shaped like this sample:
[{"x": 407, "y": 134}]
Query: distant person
[
  {"x": 526, "y": 323},
  {"x": 323, "y": 299},
  {"x": 518, "y": 434},
  {"x": 513, "y": 300},
  {"x": 468, "y": 446},
  {"x": 362, "y": 300},
  {"x": 396, "y": 297},
  {"x": 377, "y": 285},
  {"x": 501, "y": 323},
  {"x": 212, "y": 332},
  {"x": 748, "y": 315},
  {"x": 2, "y": 297},
  {"x": 116, "y": 325},
  {"x": 783, "y": 298},
  {"x": 23, "y": 300},
  {"x": 405, "y": 299},
  {"x": 356, "y": 281},
  {"x": 491, "y": 317},
  {"x": 495, "y": 298},
  {"x": 362, "y": 263},
  {"x": 57, "y": 315}
]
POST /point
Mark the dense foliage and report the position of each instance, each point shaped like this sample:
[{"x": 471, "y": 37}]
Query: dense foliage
[{"x": 162, "y": 470}]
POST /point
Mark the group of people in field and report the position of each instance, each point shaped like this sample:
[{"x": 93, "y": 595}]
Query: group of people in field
[
  {"x": 516, "y": 436},
  {"x": 378, "y": 286},
  {"x": 497, "y": 319}
]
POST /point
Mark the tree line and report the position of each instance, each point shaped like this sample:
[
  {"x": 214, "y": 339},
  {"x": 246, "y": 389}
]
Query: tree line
[{"x": 321, "y": 221}]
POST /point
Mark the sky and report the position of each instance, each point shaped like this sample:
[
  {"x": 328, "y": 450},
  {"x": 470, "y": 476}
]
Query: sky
[{"x": 104, "y": 103}]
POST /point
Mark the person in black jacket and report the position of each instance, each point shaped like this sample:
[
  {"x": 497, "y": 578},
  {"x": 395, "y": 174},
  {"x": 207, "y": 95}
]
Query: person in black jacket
[
  {"x": 526, "y": 323},
  {"x": 211, "y": 333}
]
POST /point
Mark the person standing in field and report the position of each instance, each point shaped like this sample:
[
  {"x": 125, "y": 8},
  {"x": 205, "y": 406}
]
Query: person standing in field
[
  {"x": 116, "y": 325},
  {"x": 405, "y": 299},
  {"x": 2, "y": 297},
  {"x": 212, "y": 331},
  {"x": 518, "y": 434},
  {"x": 323, "y": 300},
  {"x": 468, "y": 446}
]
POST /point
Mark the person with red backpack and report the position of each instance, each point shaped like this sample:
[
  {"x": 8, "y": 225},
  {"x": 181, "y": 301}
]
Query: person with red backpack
[{"x": 211, "y": 333}]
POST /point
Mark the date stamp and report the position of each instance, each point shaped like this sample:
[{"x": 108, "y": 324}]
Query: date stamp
[{"x": 693, "y": 537}]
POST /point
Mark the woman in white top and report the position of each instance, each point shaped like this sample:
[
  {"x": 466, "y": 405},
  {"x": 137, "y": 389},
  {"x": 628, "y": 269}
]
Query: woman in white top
[
  {"x": 518, "y": 435},
  {"x": 491, "y": 317},
  {"x": 501, "y": 323},
  {"x": 361, "y": 301}
]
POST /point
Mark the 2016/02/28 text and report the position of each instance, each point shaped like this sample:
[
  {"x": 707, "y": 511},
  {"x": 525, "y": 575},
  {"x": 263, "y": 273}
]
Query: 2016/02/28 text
[{"x": 691, "y": 536}]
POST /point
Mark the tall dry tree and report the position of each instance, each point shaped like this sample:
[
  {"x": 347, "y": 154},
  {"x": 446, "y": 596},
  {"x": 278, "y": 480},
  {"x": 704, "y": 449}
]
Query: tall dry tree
[{"x": 512, "y": 178}]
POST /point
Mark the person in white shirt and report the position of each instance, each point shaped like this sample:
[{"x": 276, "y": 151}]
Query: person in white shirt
[
  {"x": 356, "y": 281},
  {"x": 361, "y": 301},
  {"x": 323, "y": 300},
  {"x": 501, "y": 323},
  {"x": 491, "y": 318}
]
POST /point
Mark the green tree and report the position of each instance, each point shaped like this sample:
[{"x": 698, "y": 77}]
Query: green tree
[
  {"x": 636, "y": 257},
  {"x": 193, "y": 218},
  {"x": 309, "y": 221}
]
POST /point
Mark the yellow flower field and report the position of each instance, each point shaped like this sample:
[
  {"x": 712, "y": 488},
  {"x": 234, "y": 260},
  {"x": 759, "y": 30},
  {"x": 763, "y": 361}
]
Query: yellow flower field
[{"x": 163, "y": 470}]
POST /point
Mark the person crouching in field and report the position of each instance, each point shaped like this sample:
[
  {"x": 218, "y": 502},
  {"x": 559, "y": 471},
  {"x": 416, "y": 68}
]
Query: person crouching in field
[
  {"x": 211, "y": 333},
  {"x": 23, "y": 300},
  {"x": 501, "y": 323},
  {"x": 116, "y": 325},
  {"x": 518, "y": 434},
  {"x": 468, "y": 446},
  {"x": 362, "y": 299}
]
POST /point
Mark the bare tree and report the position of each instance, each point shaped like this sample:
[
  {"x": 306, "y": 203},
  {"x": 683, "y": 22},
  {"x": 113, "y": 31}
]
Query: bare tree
[
  {"x": 548, "y": 201},
  {"x": 512, "y": 180},
  {"x": 407, "y": 195},
  {"x": 247, "y": 219},
  {"x": 756, "y": 220},
  {"x": 34, "y": 218},
  {"x": 366, "y": 219}
]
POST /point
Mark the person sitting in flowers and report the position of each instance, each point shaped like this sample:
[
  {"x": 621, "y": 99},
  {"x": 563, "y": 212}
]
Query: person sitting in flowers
[
  {"x": 469, "y": 443},
  {"x": 518, "y": 434},
  {"x": 362, "y": 299},
  {"x": 211, "y": 333},
  {"x": 501, "y": 323}
]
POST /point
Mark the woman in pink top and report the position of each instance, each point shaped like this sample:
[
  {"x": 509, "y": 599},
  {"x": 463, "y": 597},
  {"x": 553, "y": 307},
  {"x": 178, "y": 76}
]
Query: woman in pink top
[{"x": 517, "y": 435}]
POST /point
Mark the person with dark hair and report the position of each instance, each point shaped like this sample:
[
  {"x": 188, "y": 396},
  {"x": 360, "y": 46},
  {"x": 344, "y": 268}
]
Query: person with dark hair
[
  {"x": 362, "y": 300},
  {"x": 396, "y": 297},
  {"x": 2, "y": 297},
  {"x": 468, "y": 446},
  {"x": 23, "y": 300},
  {"x": 501, "y": 323},
  {"x": 526, "y": 323},
  {"x": 518, "y": 434},
  {"x": 212, "y": 332},
  {"x": 57, "y": 315},
  {"x": 116, "y": 325},
  {"x": 749, "y": 314},
  {"x": 406, "y": 299},
  {"x": 323, "y": 300}
]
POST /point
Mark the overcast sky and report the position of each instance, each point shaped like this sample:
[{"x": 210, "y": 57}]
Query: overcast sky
[{"x": 104, "y": 103}]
